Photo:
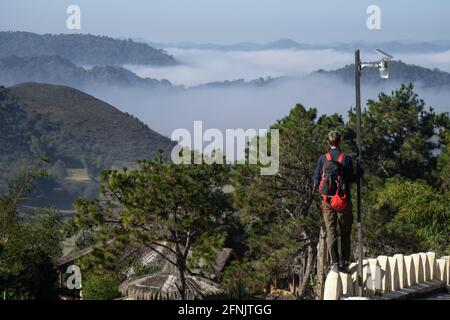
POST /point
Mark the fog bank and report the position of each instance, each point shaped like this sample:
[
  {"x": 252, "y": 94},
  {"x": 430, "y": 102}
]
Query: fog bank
[
  {"x": 204, "y": 66},
  {"x": 248, "y": 106}
]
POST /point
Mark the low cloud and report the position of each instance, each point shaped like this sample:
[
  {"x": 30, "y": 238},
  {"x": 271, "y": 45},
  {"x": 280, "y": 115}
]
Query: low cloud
[
  {"x": 204, "y": 66},
  {"x": 248, "y": 107},
  {"x": 252, "y": 106},
  {"x": 440, "y": 60}
]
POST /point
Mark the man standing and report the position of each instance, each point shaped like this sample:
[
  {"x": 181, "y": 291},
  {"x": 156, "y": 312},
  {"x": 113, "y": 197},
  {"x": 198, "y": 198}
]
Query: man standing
[{"x": 332, "y": 178}]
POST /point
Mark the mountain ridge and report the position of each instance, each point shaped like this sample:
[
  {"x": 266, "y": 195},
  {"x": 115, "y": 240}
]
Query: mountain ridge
[
  {"x": 400, "y": 73},
  {"x": 82, "y": 49},
  {"x": 396, "y": 46},
  {"x": 60, "y": 71}
]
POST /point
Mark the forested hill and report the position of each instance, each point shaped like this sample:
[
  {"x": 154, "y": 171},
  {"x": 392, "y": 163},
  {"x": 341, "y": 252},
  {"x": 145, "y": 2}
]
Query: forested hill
[
  {"x": 75, "y": 130},
  {"x": 76, "y": 125},
  {"x": 57, "y": 70},
  {"x": 400, "y": 72},
  {"x": 82, "y": 49}
]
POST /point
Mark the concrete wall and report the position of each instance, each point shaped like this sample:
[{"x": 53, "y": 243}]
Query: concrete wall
[{"x": 394, "y": 277}]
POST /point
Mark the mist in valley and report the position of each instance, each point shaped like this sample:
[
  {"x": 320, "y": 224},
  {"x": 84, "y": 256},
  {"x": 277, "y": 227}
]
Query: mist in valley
[
  {"x": 204, "y": 66},
  {"x": 250, "y": 105}
]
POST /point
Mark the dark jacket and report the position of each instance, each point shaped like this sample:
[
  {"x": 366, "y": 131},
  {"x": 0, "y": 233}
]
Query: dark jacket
[{"x": 349, "y": 174}]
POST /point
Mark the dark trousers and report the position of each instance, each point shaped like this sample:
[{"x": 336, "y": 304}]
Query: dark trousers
[{"x": 338, "y": 223}]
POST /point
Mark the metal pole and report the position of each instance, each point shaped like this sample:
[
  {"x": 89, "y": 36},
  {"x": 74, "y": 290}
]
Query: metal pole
[{"x": 359, "y": 157}]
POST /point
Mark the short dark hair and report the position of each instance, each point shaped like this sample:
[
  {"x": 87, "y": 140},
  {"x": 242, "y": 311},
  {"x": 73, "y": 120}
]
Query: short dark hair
[{"x": 334, "y": 138}]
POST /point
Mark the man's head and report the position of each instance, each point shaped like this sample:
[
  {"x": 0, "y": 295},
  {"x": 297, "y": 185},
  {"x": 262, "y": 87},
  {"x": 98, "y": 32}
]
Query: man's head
[{"x": 334, "y": 139}]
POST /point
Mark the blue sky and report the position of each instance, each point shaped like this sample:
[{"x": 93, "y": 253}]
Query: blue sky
[{"x": 229, "y": 21}]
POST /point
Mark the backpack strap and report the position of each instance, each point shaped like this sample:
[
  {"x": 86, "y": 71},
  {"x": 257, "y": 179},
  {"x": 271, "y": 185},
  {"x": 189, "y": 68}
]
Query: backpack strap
[
  {"x": 328, "y": 157},
  {"x": 341, "y": 161},
  {"x": 341, "y": 158}
]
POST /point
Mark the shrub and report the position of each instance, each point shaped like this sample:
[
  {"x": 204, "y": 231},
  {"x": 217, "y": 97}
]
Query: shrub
[{"x": 101, "y": 287}]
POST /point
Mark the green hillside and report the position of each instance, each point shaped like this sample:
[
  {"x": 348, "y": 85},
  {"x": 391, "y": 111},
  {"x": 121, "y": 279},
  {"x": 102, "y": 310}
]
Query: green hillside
[{"x": 80, "y": 134}]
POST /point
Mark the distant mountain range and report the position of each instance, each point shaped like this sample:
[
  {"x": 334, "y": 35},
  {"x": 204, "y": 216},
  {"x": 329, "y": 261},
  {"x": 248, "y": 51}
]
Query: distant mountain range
[
  {"x": 57, "y": 70},
  {"x": 82, "y": 49},
  {"x": 241, "y": 83},
  {"x": 392, "y": 46},
  {"x": 400, "y": 72},
  {"x": 78, "y": 132}
]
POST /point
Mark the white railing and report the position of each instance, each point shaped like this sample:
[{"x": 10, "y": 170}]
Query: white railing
[{"x": 391, "y": 277}]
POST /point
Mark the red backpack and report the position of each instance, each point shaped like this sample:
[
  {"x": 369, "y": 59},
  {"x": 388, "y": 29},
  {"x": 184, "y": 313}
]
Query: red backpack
[{"x": 332, "y": 185}]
